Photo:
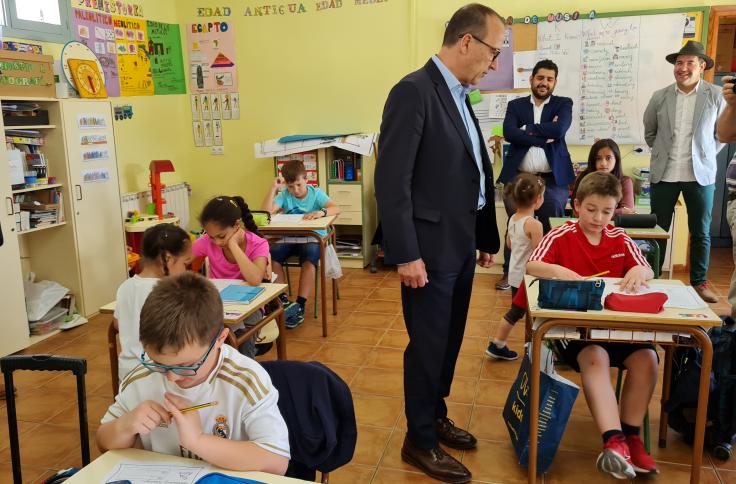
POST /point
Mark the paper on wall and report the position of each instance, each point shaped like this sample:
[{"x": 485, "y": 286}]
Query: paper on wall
[
  {"x": 357, "y": 143},
  {"x": 498, "y": 102},
  {"x": 523, "y": 65}
]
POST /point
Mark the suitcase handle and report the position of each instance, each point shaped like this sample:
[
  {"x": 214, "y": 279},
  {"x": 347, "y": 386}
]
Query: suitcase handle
[{"x": 11, "y": 363}]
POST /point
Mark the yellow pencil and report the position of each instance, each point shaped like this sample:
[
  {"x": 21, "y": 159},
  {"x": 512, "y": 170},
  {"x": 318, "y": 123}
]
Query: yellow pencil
[
  {"x": 598, "y": 275},
  {"x": 197, "y": 407}
]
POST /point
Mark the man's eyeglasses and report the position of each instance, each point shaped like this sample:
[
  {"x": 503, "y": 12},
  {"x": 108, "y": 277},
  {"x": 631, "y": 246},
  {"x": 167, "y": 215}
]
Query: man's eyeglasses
[
  {"x": 494, "y": 52},
  {"x": 178, "y": 370}
]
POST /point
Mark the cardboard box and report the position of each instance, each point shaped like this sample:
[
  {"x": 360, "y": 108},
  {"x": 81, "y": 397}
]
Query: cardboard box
[{"x": 26, "y": 75}]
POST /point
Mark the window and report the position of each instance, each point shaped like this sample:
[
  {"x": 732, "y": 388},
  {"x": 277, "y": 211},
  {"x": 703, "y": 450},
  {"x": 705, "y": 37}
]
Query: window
[{"x": 44, "y": 20}]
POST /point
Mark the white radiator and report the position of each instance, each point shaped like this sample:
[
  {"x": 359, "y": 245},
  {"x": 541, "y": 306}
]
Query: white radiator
[{"x": 176, "y": 201}]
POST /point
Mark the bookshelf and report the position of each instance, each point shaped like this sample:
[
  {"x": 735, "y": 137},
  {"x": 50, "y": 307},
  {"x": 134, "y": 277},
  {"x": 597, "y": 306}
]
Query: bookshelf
[{"x": 81, "y": 246}]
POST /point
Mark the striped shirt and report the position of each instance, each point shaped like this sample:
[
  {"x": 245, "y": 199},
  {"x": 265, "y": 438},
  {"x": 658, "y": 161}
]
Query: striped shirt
[
  {"x": 247, "y": 408},
  {"x": 568, "y": 246}
]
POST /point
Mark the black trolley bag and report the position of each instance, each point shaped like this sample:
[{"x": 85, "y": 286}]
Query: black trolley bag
[{"x": 78, "y": 366}]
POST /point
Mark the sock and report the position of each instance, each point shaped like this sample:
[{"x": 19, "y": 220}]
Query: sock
[
  {"x": 302, "y": 301},
  {"x": 610, "y": 433},
  {"x": 629, "y": 429},
  {"x": 499, "y": 343}
]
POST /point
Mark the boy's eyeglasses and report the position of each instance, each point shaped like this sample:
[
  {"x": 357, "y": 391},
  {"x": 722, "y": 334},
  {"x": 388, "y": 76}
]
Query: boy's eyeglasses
[
  {"x": 178, "y": 370},
  {"x": 494, "y": 52}
]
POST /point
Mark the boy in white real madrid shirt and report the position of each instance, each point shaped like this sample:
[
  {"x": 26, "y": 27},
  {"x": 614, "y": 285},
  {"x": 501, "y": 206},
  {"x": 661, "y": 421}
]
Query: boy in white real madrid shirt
[{"x": 186, "y": 363}]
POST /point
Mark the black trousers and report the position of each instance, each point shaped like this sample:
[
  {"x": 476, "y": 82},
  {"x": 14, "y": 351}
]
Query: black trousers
[{"x": 435, "y": 318}]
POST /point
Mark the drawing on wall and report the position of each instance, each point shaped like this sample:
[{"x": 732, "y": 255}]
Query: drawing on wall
[{"x": 212, "y": 65}]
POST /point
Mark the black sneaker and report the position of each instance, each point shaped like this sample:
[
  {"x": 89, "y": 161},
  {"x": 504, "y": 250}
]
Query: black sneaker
[
  {"x": 295, "y": 318},
  {"x": 503, "y": 284},
  {"x": 285, "y": 301},
  {"x": 501, "y": 353}
]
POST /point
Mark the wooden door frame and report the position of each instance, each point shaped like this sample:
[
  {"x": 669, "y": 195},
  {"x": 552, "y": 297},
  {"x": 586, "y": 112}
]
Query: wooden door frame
[{"x": 714, "y": 22}]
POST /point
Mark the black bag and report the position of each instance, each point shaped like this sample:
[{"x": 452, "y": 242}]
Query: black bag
[{"x": 720, "y": 431}]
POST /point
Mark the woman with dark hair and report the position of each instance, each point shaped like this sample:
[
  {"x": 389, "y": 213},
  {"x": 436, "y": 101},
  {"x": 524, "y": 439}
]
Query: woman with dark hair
[{"x": 605, "y": 156}]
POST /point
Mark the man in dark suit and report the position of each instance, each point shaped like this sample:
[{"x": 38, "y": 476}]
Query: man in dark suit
[
  {"x": 535, "y": 128},
  {"x": 434, "y": 187}
]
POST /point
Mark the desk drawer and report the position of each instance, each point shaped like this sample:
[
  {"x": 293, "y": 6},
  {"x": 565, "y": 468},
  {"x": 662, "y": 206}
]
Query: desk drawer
[
  {"x": 347, "y": 196},
  {"x": 349, "y": 218}
]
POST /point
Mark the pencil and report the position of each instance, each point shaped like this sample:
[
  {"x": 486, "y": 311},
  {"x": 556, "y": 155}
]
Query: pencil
[
  {"x": 197, "y": 407},
  {"x": 597, "y": 275}
]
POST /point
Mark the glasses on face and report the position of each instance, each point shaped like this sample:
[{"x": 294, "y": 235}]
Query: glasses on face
[
  {"x": 494, "y": 52},
  {"x": 178, "y": 370}
]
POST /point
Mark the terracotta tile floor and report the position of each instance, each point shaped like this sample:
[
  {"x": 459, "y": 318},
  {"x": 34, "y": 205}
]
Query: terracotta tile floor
[{"x": 364, "y": 346}]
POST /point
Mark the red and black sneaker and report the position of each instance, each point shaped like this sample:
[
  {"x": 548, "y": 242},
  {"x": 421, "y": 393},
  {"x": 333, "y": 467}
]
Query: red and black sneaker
[
  {"x": 615, "y": 458},
  {"x": 640, "y": 458}
]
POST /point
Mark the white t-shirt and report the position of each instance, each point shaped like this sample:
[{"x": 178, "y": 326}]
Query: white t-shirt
[
  {"x": 130, "y": 298},
  {"x": 247, "y": 408}
]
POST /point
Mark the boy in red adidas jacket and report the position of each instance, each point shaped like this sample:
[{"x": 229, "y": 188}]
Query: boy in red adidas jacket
[{"x": 582, "y": 248}]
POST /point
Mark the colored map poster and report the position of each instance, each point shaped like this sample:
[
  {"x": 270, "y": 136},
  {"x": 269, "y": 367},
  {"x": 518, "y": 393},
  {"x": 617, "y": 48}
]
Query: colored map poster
[
  {"x": 131, "y": 46},
  {"x": 95, "y": 30},
  {"x": 212, "y": 66},
  {"x": 164, "y": 51}
]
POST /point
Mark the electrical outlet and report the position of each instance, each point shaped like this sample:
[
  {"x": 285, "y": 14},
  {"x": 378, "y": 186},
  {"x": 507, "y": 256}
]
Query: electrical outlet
[{"x": 217, "y": 150}]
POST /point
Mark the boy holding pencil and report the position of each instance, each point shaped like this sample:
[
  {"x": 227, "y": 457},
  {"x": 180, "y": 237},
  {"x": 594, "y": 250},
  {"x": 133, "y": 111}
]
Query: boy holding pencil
[
  {"x": 192, "y": 395},
  {"x": 590, "y": 247}
]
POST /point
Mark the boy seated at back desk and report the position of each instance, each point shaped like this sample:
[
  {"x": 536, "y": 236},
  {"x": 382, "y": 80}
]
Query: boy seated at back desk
[
  {"x": 580, "y": 248},
  {"x": 298, "y": 198},
  {"x": 185, "y": 363}
]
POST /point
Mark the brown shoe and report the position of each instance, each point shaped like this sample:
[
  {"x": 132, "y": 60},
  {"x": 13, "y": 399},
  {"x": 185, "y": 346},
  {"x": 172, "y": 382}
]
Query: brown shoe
[
  {"x": 705, "y": 292},
  {"x": 436, "y": 463},
  {"x": 452, "y": 436}
]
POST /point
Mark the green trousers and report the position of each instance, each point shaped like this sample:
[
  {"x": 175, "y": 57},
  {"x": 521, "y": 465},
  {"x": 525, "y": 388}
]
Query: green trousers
[{"x": 699, "y": 203}]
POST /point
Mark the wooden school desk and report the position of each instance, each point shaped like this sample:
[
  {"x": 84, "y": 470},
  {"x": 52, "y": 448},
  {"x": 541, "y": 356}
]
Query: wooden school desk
[
  {"x": 101, "y": 467},
  {"x": 271, "y": 293},
  {"x": 685, "y": 322},
  {"x": 309, "y": 228}
]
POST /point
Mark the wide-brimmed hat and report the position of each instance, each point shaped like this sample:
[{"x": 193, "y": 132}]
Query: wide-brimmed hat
[{"x": 692, "y": 48}]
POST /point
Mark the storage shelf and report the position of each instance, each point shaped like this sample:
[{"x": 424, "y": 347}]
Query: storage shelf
[
  {"x": 342, "y": 182},
  {"x": 41, "y": 228},
  {"x": 31, "y": 126},
  {"x": 36, "y": 188},
  {"x": 357, "y": 256}
]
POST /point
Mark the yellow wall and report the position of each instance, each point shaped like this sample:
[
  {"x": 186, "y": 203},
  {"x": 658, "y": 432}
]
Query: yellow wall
[{"x": 316, "y": 72}]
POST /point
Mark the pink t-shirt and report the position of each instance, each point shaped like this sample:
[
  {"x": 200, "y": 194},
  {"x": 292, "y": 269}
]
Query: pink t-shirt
[{"x": 220, "y": 267}]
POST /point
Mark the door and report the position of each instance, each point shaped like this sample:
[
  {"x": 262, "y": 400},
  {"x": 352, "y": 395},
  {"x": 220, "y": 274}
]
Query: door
[
  {"x": 14, "y": 322},
  {"x": 95, "y": 194}
]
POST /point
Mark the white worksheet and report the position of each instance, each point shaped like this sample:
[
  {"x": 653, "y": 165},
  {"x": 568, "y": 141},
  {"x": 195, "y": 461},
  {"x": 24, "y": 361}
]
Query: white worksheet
[{"x": 157, "y": 472}]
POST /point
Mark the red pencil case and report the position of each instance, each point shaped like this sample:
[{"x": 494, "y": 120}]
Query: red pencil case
[{"x": 636, "y": 303}]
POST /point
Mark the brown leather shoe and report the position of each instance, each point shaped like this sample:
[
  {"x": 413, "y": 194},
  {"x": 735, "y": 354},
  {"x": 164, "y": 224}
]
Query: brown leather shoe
[
  {"x": 452, "y": 436},
  {"x": 705, "y": 292},
  {"x": 436, "y": 463}
]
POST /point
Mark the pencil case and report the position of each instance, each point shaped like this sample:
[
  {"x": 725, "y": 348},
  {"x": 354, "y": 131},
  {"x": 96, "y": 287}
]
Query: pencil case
[
  {"x": 571, "y": 295},
  {"x": 652, "y": 302}
]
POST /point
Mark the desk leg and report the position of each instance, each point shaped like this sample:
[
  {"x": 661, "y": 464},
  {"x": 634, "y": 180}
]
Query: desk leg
[
  {"x": 668, "y": 355},
  {"x": 334, "y": 281},
  {"x": 323, "y": 284},
  {"x": 701, "y": 415},
  {"x": 230, "y": 339},
  {"x": 537, "y": 338},
  {"x": 528, "y": 321},
  {"x": 281, "y": 340}
]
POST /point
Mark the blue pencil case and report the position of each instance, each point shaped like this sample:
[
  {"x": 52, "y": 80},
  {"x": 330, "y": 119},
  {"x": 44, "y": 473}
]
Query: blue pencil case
[{"x": 219, "y": 478}]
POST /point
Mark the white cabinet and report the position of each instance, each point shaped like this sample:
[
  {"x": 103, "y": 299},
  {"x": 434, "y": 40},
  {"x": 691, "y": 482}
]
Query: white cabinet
[{"x": 85, "y": 253}]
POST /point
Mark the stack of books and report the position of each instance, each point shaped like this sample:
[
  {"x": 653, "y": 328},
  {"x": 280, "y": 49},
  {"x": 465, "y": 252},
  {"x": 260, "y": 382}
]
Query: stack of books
[{"x": 347, "y": 246}]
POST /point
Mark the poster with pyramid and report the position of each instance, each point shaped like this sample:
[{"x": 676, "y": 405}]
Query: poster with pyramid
[{"x": 212, "y": 60}]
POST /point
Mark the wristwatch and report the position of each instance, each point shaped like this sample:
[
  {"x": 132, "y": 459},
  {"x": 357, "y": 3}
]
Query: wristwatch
[{"x": 324, "y": 212}]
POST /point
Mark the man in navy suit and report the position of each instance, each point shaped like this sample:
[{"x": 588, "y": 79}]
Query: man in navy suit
[
  {"x": 535, "y": 128},
  {"x": 434, "y": 188}
]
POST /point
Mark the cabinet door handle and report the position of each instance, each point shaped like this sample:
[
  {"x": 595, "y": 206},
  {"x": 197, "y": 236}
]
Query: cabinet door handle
[
  {"x": 12, "y": 210},
  {"x": 79, "y": 191}
]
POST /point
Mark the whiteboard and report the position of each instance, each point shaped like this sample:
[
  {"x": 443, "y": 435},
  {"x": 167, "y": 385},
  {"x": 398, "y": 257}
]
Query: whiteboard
[{"x": 610, "y": 67}]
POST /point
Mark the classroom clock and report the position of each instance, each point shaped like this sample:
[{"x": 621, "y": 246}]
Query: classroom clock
[
  {"x": 87, "y": 78},
  {"x": 77, "y": 50}
]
